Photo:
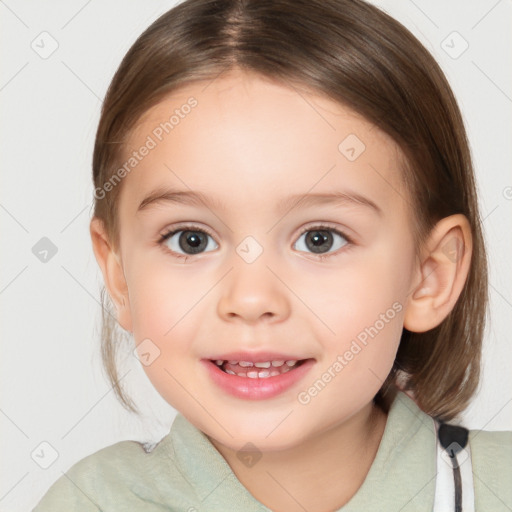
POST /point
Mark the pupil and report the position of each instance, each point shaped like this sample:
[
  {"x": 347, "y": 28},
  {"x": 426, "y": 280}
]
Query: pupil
[
  {"x": 319, "y": 241},
  {"x": 192, "y": 242}
]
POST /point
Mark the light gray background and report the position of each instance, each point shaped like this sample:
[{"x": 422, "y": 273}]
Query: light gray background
[{"x": 52, "y": 382}]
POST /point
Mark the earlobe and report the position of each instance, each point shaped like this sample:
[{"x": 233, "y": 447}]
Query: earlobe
[
  {"x": 441, "y": 274},
  {"x": 112, "y": 270}
]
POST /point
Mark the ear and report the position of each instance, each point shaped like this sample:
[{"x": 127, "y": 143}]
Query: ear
[
  {"x": 441, "y": 274},
  {"x": 113, "y": 274}
]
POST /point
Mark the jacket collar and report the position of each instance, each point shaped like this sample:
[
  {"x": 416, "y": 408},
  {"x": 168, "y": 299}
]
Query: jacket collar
[{"x": 401, "y": 478}]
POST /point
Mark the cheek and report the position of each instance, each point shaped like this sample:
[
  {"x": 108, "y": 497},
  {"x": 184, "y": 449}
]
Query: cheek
[
  {"x": 153, "y": 304},
  {"x": 160, "y": 298},
  {"x": 362, "y": 302},
  {"x": 164, "y": 307},
  {"x": 354, "y": 294},
  {"x": 366, "y": 318}
]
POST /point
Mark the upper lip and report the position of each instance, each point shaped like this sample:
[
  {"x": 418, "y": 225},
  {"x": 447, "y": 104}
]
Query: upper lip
[{"x": 256, "y": 357}]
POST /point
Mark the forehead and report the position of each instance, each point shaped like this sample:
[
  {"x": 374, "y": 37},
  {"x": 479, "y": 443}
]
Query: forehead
[{"x": 242, "y": 137}]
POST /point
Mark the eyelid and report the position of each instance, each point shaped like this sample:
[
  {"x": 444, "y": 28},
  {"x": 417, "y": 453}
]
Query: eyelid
[
  {"x": 327, "y": 227},
  {"x": 169, "y": 232},
  {"x": 322, "y": 226},
  {"x": 166, "y": 233}
]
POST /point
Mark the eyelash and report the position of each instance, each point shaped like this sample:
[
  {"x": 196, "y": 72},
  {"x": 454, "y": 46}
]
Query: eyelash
[
  {"x": 324, "y": 227},
  {"x": 188, "y": 227}
]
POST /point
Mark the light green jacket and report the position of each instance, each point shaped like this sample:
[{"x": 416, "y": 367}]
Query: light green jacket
[{"x": 185, "y": 473}]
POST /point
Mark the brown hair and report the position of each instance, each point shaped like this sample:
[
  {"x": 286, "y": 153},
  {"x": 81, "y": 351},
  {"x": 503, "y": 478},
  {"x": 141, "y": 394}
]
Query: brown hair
[{"x": 355, "y": 54}]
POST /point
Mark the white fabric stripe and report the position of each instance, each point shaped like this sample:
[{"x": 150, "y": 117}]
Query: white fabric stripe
[
  {"x": 445, "y": 488},
  {"x": 468, "y": 490},
  {"x": 444, "y": 500}
]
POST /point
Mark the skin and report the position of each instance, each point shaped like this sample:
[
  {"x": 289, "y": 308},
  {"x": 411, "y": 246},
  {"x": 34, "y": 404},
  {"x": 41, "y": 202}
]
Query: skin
[{"x": 249, "y": 144}]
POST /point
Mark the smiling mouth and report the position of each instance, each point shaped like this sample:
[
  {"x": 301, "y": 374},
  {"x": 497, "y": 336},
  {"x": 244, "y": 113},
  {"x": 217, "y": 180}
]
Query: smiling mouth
[{"x": 259, "y": 370}]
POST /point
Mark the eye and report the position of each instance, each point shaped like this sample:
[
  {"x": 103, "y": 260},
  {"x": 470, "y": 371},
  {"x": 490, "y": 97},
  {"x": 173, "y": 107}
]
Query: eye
[
  {"x": 321, "y": 240},
  {"x": 189, "y": 241}
]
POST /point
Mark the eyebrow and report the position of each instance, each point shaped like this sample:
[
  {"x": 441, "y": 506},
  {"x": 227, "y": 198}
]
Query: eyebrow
[
  {"x": 187, "y": 197},
  {"x": 194, "y": 198},
  {"x": 332, "y": 198}
]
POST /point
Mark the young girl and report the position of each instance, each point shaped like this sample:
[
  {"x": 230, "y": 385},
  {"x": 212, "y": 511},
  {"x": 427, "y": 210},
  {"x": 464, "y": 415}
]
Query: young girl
[{"x": 286, "y": 221}]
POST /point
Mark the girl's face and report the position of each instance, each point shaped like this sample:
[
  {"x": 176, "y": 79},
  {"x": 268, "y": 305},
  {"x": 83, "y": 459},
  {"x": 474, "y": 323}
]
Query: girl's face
[{"x": 263, "y": 225}]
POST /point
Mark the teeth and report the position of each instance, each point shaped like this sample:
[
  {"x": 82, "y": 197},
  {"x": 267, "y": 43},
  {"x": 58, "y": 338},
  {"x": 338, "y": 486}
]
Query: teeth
[
  {"x": 264, "y": 364},
  {"x": 262, "y": 374},
  {"x": 252, "y": 370}
]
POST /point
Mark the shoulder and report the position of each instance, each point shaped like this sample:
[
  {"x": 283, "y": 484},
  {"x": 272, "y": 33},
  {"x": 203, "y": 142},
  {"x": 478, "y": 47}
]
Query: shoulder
[
  {"x": 491, "y": 457},
  {"x": 121, "y": 476},
  {"x": 493, "y": 442}
]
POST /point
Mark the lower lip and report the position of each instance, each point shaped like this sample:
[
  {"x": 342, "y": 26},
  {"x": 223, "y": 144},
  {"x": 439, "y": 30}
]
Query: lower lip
[{"x": 257, "y": 389}]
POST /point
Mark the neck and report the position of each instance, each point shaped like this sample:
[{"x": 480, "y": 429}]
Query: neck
[{"x": 321, "y": 473}]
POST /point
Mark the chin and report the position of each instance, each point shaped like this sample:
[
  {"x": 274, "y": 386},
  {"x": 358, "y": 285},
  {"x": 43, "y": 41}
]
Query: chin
[{"x": 266, "y": 438}]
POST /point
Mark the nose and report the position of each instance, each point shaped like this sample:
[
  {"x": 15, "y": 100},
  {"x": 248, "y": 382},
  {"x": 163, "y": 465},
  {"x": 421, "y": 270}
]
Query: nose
[{"x": 251, "y": 293}]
